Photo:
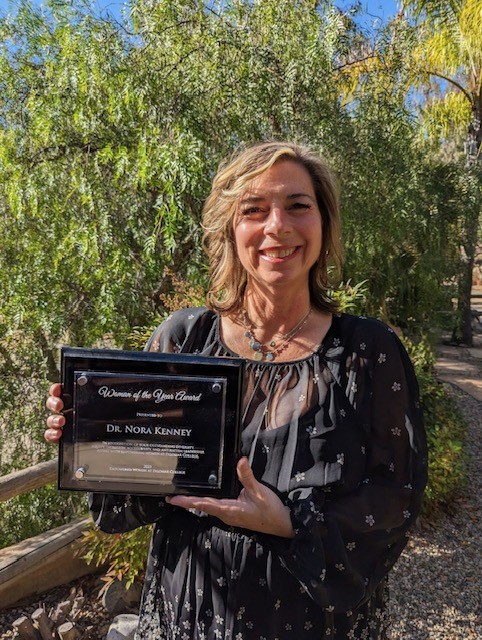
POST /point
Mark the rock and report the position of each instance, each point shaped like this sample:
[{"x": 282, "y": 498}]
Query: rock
[
  {"x": 117, "y": 599},
  {"x": 123, "y": 627}
]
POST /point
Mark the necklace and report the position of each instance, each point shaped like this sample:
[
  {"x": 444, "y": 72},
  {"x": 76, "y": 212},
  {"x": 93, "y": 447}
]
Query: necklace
[{"x": 260, "y": 349}]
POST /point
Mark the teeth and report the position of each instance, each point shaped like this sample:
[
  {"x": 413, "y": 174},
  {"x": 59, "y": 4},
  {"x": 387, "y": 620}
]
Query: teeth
[{"x": 281, "y": 253}]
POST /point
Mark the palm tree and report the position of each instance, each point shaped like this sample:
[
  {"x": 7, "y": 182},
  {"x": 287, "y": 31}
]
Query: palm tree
[{"x": 448, "y": 62}]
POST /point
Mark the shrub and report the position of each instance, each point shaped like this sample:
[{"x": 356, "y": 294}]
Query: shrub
[
  {"x": 24, "y": 380},
  {"x": 38, "y": 511},
  {"x": 445, "y": 431},
  {"x": 125, "y": 553}
]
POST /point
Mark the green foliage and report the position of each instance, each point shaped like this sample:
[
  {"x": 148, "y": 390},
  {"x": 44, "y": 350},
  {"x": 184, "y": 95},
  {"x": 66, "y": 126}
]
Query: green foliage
[
  {"x": 124, "y": 553},
  {"x": 447, "y": 62},
  {"x": 445, "y": 432},
  {"x": 110, "y": 134},
  {"x": 23, "y": 385},
  {"x": 351, "y": 298},
  {"x": 38, "y": 511},
  {"x": 182, "y": 294}
]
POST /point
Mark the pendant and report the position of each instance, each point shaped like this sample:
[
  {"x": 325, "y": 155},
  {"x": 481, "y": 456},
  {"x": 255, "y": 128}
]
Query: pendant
[
  {"x": 269, "y": 356},
  {"x": 255, "y": 345},
  {"x": 258, "y": 356}
]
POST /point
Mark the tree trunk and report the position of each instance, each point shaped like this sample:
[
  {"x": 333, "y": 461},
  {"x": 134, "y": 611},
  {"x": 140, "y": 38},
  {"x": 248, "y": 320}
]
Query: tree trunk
[
  {"x": 463, "y": 330},
  {"x": 50, "y": 356}
]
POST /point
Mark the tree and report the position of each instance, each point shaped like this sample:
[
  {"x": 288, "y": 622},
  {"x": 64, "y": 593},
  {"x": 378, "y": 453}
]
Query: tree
[
  {"x": 448, "y": 60},
  {"x": 402, "y": 202},
  {"x": 111, "y": 132}
]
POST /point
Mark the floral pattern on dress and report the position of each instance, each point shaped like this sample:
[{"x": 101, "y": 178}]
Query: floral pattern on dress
[{"x": 338, "y": 435}]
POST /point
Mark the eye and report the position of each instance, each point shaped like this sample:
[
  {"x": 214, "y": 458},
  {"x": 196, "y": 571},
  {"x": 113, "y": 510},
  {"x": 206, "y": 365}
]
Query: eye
[
  {"x": 251, "y": 210},
  {"x": 300, "y": 205}
]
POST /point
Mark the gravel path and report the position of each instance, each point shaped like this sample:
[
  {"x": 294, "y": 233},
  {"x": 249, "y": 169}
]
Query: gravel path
[{"x": 436, "y": 586}]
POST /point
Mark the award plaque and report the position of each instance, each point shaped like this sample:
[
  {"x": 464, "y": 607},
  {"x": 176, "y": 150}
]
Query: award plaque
[{"x": 150, "y": 423}]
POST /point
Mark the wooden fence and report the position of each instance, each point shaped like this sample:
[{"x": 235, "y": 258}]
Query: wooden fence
[{"x": 44, "y": 561}]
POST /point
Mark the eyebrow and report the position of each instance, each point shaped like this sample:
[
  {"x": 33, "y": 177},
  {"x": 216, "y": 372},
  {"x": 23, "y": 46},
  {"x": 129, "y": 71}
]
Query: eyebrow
[{"x": 291, "y": 196}]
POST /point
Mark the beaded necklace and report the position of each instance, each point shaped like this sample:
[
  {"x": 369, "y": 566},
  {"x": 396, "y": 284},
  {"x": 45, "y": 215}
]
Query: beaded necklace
[{"x": 260, "y": 349}]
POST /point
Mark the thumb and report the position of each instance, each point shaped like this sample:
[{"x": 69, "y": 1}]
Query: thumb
[{"x": 246, "y": 475}]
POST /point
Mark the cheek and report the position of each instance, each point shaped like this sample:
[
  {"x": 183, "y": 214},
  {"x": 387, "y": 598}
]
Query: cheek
[
  {"x": 244, "y": 238},
  {"x": 314, "y": 231}
]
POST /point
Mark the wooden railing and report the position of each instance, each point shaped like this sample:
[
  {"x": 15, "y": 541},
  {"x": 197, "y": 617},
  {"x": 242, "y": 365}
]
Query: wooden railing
[
  {"x": 46, "y": 560},
  {"x": 20, "y": 482}
]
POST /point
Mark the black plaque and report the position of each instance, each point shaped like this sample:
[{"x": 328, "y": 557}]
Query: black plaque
[{"x": 150, "y": 423}]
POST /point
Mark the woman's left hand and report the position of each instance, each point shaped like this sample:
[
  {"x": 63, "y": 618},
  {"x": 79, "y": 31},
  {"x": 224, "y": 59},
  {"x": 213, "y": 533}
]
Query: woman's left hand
[{"x": 257, "y": 508}]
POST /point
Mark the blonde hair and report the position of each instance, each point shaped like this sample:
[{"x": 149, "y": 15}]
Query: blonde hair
[{"x": 227, "y": 275}]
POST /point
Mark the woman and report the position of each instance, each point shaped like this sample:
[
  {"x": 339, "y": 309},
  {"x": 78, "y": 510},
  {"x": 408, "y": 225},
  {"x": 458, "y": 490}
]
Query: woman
[{"x": 334, "y": 459}]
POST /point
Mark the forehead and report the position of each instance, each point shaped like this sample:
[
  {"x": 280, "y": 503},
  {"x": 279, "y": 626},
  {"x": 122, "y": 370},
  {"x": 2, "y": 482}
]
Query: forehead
[{"x": 285, "y": 177}]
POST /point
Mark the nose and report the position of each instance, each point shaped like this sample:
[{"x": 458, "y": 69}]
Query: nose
[{"x": 277, "y": 222}]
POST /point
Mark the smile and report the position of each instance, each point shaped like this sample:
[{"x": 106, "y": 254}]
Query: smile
[{"x": 279, "y": 253}]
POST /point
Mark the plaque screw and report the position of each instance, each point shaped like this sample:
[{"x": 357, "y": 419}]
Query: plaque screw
[
  {"x": 216, "y": 387},
  {"x": 82, "y": 380},
  {"x": 213, "y": 478},
  {"x": 80, "y": 473}
]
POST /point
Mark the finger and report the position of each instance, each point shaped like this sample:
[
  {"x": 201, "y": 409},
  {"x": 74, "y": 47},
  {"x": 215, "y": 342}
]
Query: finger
[
  {"x": 191, "y": 502},
  {"x": 246, "y": 476},
  {"x": 56, "y": 421},
  {"x": 53, "y": 435},
  {"x": 211, "y": 506},
  {"x": 54, "y": 404},
  {"x": 55, "y": 390},
  {"x": 181, "y": 501}
]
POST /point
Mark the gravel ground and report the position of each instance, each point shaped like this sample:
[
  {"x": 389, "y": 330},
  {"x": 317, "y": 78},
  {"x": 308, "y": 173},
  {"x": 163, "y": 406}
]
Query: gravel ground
[
  {"x": 436, "y": 585},
  {"x": 93, "y": 621}
]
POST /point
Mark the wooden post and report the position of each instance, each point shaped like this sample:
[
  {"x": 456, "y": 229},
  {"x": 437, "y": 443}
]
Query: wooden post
[
  {"x": 68, "y": 631},
  {"x": 43, "y": 623},
  {"x": 61, "y": 611},
  {"x": 77, "y": 607},
  {"x": 25, "y": 629}
]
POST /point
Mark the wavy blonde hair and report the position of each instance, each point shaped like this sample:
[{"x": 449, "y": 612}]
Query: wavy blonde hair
[{"x": 228, "y": 277}]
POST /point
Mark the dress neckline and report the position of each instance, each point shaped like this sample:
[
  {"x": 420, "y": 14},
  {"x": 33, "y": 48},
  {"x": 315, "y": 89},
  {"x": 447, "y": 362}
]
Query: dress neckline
[{"x": 319, "y": 348}]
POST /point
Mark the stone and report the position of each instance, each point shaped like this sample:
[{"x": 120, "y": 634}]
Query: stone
[
  {"x": 117, "y": 599},
  {"x": 123, "y": 627}
]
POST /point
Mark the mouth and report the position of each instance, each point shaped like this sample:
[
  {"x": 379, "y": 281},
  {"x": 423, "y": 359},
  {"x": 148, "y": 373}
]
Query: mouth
[{"x": 278, "y": 253}]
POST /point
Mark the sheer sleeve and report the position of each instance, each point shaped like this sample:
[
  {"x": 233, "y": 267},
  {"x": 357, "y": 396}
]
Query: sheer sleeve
[
  {"x": 114, "y": 513},
  {"x": 346, "y": 541}
]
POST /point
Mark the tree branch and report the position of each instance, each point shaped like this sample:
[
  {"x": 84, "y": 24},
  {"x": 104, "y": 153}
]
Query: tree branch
[
  {"x": 48, "y": 353},
  {"x": 349, "y": 64},
  {"x": 452, "y": 81}
]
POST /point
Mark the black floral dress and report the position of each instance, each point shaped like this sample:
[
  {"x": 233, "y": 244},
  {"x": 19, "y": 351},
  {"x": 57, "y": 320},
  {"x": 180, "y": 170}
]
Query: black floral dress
[{"x": 339, "y": 437}]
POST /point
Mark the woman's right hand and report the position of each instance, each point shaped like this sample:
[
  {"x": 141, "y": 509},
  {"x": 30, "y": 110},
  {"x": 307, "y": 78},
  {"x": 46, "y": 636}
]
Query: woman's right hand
[{"x": 56, "y": 421}]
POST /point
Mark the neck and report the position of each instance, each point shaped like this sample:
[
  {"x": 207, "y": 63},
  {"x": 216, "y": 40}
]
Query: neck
[{"x": 276, "y": 312}]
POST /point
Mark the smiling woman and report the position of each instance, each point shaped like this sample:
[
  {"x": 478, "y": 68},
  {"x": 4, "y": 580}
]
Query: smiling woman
[
  {"x": 232, "y": 198},
  {"x": 334, "y": 456}
]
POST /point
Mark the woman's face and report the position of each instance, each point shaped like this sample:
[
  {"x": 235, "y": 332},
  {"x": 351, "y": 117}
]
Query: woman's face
[{"x": 278, "y": 228}]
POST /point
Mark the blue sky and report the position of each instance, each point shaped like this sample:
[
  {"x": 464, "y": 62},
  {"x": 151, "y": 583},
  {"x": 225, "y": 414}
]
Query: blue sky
[{"x": 378, "y": 9}]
